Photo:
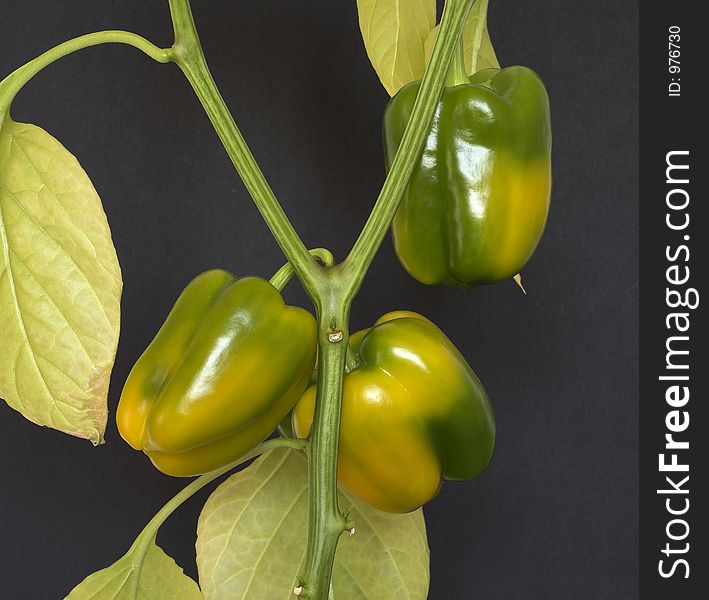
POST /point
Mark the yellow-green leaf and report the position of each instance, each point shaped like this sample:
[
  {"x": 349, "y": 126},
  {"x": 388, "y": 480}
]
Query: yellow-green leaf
[
  {"x": 387, "y": 557},
  {"x": 252, "y": 533},
  {"x": 477, "y": 46},
  {"x": 143, "y": 573},
  {"x": 394, "y": 32},
  {"x": 60, "y": 286}
]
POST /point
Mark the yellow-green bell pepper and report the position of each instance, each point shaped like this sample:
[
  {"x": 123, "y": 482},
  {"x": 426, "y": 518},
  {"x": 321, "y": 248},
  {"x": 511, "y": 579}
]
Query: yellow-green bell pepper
[
  {"x": 413, "y": 412},
  {"x": 227, "y": 366}
]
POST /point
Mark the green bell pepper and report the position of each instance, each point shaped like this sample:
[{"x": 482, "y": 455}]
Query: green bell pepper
[{"x": 477, "y": 202}]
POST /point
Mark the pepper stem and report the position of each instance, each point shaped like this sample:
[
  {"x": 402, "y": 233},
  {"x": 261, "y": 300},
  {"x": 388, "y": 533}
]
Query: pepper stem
[
  {"x": 480, "y": 26},
  {"x": 456, "y": 73}
]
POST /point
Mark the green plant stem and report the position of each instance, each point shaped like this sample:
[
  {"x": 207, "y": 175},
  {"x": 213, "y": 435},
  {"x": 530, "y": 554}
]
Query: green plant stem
[
  {"x": 18, "y": 78},
  {"x": 375, "y": 229},
  {"x": 187, "y": 53},
  {"x": 207, "y": 478},
  {"x": 352, "y": 360},
  {"x": 326, "y": 522},
  {"x": 281, "y": 277}
]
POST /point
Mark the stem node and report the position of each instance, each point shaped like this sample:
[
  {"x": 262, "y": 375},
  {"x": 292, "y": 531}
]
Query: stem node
[{"x": 335, "y": 336}]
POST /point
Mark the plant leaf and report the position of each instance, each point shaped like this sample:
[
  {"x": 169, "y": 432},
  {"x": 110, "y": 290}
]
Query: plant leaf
[
  {"x": 478, "y": 50},
  {"x": 388, "y": 556},
  {"x": 252, "y": 533},
  {"x": 394, "y": 32},
  {"x": 60, "y": 286},
  {"x": 472, "y": 36},
  {"x": 143, "y": 573}
]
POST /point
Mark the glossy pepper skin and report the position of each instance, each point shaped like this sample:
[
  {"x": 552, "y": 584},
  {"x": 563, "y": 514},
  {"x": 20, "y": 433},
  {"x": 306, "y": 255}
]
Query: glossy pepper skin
[
  {"x": 413, "y": 412},
  {"x": 228, "y": 364},
  {"x": 477, "y": 201}
]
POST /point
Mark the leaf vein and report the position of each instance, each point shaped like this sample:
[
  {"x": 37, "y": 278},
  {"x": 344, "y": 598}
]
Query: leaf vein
[
  {"x": 291, "y": 508},
  {"x": 236, "y": 520}
]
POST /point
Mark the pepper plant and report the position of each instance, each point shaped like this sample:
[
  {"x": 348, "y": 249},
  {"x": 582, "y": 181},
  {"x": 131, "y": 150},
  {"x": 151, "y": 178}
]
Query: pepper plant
[{"x": 467, "y": 148}]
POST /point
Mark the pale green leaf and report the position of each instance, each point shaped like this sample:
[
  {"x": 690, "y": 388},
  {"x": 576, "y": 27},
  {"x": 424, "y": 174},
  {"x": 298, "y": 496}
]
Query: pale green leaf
[
  {"x": 394, "y": 32},
  {"x": 387, "y": 557},
  {"x": 252, "y": 533},
  {"x": 477, "y": 46},
  {"x": 144, "y": 573},
  {"x": 60, "y": 286}
]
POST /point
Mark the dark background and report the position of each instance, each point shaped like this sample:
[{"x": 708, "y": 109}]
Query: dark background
[{"x": 556, "y": 514}]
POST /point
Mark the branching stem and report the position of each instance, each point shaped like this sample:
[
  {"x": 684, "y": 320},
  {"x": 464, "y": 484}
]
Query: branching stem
[
  {"x": 331, "y": 287},
  {"x": 281, "y": 277}
]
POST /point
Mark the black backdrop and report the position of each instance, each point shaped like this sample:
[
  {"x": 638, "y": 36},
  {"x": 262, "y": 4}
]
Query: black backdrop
[{"x": 556, "y": 514}]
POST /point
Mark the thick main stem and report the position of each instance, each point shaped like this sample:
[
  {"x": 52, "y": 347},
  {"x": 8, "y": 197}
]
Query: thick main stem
[{"x": 326, "y": 523}]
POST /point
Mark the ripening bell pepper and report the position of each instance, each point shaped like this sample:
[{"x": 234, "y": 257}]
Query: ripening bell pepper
[
  {"x": 226, "y": 367},
  {"x": 413, "y": 412},
  {"x": 477, "y": 202}
]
